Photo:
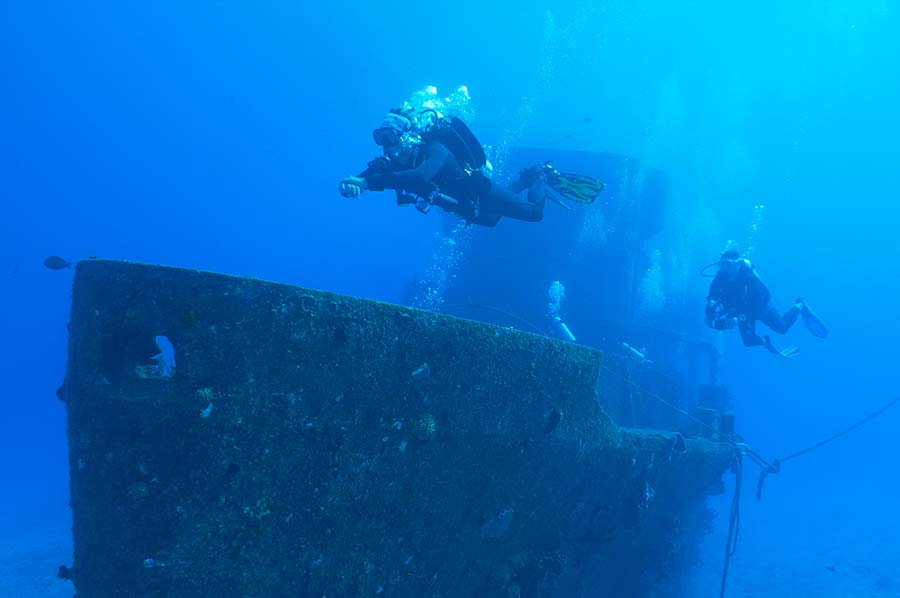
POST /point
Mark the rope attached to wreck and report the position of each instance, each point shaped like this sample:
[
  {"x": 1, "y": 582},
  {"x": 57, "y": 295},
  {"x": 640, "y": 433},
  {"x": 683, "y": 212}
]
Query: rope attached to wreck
[
  {"x": 658, "y": 398},
  {"x": 775, "y": 465},
  {"x": 742, "y": 448},
  {"x": 734, "y": 518},
  {"x": 476, "y": 306}
]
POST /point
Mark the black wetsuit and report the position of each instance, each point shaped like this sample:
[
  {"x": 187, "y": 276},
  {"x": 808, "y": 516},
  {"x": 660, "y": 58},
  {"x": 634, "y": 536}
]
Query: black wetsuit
[
  {"x": 747, "y": 296},
  {"x": 480, "y": 200}
]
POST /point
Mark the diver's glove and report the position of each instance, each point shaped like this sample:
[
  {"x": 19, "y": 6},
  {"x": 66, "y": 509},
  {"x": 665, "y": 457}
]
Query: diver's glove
[
  {"x": 786, "y": 353},
  {"x": 717, "y": 316},
  {"x": 724, "y": 323},
  {"x": 352, "y": 186}
]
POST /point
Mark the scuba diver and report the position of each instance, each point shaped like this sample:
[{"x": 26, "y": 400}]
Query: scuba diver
[
  {"x": 737, "y": 297},
  {"x": 442, "y": 163}
]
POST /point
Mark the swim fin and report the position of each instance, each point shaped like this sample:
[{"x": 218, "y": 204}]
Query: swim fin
[
  {"x": 813, "y": 322},
  {"x": 788, "y": 352},
  {"x": 576, "y": 187}
]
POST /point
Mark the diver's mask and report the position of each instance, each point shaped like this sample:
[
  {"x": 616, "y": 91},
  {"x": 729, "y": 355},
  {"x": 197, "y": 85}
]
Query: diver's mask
[
  {"x": 386, "y": 137},
  {"x": 389, "y": 133},
  {"x": 397, "y": 147},
  {"x": 728, "y": 267}
]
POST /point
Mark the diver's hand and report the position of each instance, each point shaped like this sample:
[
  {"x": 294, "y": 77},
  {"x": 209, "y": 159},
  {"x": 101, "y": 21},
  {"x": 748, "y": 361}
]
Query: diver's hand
[{"x": 352, "y": 186}]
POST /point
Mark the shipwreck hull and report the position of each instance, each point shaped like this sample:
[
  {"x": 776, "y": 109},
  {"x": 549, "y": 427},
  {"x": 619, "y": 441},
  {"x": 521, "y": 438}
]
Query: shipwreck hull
[{"x": 303, "y": 443}]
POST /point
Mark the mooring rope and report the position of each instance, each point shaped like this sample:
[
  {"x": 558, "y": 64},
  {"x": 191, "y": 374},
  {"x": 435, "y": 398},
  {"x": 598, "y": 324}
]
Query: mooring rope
[
  {"x": 512, "y": 316},
  {"x": 775, "y": 465},
  {"x": 844, "y": 432},
  {"x": 742, "y": 448},
  {"x": 660, "y": 399},
  {"x": 734, "y": 519}
]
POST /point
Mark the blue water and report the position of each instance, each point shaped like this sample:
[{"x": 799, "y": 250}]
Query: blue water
[{"x": 212, "y": 136}]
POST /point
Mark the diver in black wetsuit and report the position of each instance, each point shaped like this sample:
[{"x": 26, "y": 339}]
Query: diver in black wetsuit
[
  {"x": 447, "y": 170},
  {"x": 738, "y": 297}
]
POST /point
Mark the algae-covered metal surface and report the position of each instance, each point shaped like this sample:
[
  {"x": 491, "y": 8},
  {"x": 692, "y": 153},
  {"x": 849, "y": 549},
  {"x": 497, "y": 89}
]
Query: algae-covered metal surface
[{"x": 235, "y": 437}]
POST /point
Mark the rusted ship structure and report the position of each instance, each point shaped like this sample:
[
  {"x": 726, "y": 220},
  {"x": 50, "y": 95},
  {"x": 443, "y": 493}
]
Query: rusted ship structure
[{"x": 235, "y": 437}]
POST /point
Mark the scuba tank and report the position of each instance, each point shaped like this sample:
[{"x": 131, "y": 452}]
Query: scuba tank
[
  {"x": 453, "y": 133},
  {"x": 639, "y": 354},
  {"x": 562, "y": 331}
]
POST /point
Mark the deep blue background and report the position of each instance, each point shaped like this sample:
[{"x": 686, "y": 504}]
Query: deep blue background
[{"x": 212, "y": 136}]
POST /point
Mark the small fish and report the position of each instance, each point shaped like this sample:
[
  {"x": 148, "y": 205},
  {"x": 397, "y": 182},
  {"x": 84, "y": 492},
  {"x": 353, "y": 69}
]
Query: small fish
[
  {"x": 830, "y": 568},
  {"x": 588, "y": 119},
  {"x": 54, "y": 262}
]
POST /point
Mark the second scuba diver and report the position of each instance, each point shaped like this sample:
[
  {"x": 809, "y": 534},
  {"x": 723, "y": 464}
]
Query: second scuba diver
[{"x": 737, "y": 297}]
